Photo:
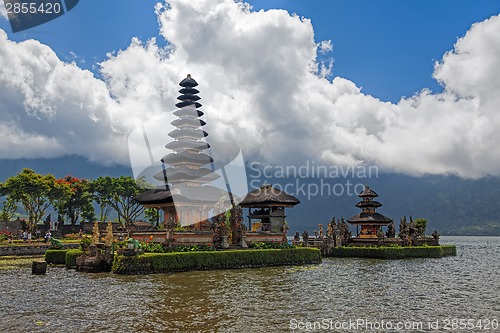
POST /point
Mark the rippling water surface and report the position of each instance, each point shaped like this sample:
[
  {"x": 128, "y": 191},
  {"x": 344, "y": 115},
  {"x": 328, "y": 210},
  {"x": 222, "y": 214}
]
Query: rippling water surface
[{"x": 257, "y": 300}]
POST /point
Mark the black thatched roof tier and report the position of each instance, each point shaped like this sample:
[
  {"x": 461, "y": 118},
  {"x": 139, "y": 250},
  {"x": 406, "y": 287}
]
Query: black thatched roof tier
[
  {"x": 188, "y": 112},
  {"x": 368, "y": 204},
  {"x": 369, "y": 218},
  {"x": 188, "y": 103},
  {"x": 184, "y": 174},
  {"x": 188, "y": 122},
  {"x": 190, "y": 97},
  {"x": 190, "y": 91},
  {"x": 368, "y": 192},
  {"x": 188, "y": 82},
  {"x": 185, "y": 145},
  {"x": 188, "y": 133},
  {"x": 186, "y": 158},
  {"x": 267, "y": 195},
  {"x": 206, "y": 194}
]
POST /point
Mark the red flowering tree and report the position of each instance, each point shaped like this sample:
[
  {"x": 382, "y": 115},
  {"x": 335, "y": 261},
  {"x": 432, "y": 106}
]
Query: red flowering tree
[
  {"x": 35, "y": 193},
  {"x": 77, "y": 206}
]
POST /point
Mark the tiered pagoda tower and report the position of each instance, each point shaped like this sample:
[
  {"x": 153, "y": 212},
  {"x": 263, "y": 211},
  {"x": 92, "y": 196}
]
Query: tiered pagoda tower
[
  {"x": 369, "y": 220},
  {"x": 186, "y": 197},
  {"x": 186, "y": 163}
]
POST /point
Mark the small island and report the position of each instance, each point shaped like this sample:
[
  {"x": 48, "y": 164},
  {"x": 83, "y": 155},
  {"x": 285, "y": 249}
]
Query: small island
[{"x": 203, "y": 225}]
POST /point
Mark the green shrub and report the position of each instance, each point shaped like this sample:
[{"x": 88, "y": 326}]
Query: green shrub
[
  {"x": 152, "y": 247},
  {"x": 191, "y": 248},
  {"x": 388, "y": 252},
  {"x": 57, "y": 257},
  {"x": 271, "y": 245},
  {"x": 203, "y": 260},
  {"x": 71, "y": 256},
  {"x": 449, "y": 250}
]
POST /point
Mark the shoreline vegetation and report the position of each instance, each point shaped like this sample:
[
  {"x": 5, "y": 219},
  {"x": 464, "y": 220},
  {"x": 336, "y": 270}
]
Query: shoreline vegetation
[
  {"x": 153, "y": 263},
  {"x": 392, "y": 252}
]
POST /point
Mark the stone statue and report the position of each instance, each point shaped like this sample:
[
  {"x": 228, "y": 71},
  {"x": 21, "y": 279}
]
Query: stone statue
[
  {"x": 305, "y": 237},
  {"x": 391, "y": 230},
  {"x": 346, "y": 233},
  {"x": 329, "y": 231},
  {"x": 403, "y": 231},
  {"x": 321, "y": 233},
  {"x": 108, "y": 240},
  {"x": 95, "y": 234},
  {"x": 296, "y": 237},
  {"x": 412, "y": 228},
  {"x": 380, "y": 234},
  {"x": 435, "y": 235}
]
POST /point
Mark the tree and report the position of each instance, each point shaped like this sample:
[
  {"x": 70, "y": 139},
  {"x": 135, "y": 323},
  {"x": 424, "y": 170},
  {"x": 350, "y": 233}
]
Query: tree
[
  {"x": 79, "y": 203},
  {"x": 100, "y": 191},
  {"x": 9, "y": 210},
  {"x": 120, "y": 193},
  {"x": 35, "y": 193},
  {"x": 421, "y": 224},
  {"x": 153, "y": 215}
]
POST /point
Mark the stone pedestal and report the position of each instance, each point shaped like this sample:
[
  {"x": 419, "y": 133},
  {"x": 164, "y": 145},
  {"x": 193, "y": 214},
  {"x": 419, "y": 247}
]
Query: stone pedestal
[
  {"x": 224, "y": 244},
  {"x": 39, "y": 267},
  {"x": 243, "y": 242}
]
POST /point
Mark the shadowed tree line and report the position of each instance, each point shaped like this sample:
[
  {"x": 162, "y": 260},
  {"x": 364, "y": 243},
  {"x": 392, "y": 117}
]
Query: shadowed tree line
[{"x": 72, "y": 198}]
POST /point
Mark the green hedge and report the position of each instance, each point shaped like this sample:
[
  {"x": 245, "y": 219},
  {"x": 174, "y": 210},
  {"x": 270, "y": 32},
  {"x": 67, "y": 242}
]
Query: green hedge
[
  {"x": 63, "y": 257},
  {"x": 71, "y": 256},
  {"x": 386, "y": 252},
  {"x": 57, "y": 257},
  {"x": 186, "y": 261}
]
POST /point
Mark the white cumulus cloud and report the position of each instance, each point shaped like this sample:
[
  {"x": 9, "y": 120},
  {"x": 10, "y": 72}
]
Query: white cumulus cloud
[
  {"x": 50, "y": 108},
  {"x": 3, "y": 11}
]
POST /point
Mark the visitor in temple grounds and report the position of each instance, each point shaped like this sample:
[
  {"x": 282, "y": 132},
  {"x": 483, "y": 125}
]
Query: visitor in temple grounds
[
  {"x": 29, "y": 237},
  {"x": 47, "y": 237},
  {"x": 11, "y": 238},
  {"x": 24, "y": 236}
]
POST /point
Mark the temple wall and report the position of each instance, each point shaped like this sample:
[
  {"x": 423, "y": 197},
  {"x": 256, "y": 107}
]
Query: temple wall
[{"x": 30, "y": 250}]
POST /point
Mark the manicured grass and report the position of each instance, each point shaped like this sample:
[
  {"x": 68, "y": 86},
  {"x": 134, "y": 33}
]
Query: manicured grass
[
  {"x": 397, "y": 252},
  {"x": 187, "y": 261}
]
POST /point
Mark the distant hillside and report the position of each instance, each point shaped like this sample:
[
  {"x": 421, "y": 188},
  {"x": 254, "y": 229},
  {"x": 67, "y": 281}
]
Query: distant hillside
[
  {"x": 452, "y": 205},
  {"x": 60, "y": 167}
]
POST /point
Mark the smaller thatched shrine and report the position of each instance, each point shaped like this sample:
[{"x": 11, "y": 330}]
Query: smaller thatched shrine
[
  {"x": 266, "y": 208},
  {"x": 369, "y": 220}
]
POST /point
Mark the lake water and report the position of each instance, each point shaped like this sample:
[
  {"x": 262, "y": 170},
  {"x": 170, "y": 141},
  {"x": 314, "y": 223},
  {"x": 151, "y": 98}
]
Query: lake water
[{"x": 412, "y": 295}]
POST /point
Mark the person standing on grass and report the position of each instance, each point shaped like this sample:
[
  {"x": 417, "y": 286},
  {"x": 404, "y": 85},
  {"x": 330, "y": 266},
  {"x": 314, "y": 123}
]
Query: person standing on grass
[
  {"x": 24, "y": 236},
  {"x": 48, "y": 235}
]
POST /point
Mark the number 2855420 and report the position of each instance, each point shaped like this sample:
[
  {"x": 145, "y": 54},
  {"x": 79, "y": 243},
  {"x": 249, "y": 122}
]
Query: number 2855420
[{"x": 33, "y": 8}]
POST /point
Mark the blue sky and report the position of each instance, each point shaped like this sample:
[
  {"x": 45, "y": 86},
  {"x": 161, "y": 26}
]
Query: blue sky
[
  {"x": 387, "y": 47},
  {"x": 261, "y": 81}
]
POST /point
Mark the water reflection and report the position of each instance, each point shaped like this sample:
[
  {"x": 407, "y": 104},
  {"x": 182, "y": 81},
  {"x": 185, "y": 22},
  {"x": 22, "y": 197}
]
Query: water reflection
[{"x": 256, "y": 300}]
